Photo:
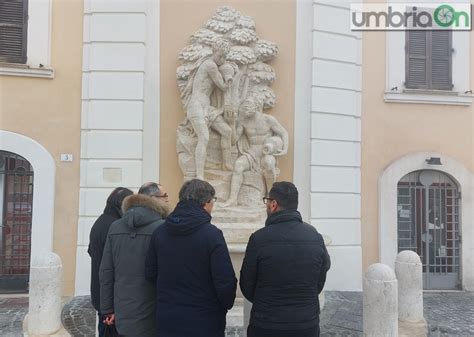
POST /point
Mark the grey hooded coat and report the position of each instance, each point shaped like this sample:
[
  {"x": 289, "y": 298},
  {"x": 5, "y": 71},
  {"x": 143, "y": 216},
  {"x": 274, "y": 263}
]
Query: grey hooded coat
[{"x": 123, "y": 287}]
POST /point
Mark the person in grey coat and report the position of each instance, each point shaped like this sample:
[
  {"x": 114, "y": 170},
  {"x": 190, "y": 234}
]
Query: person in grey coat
[{"x": 127, "y": 299}]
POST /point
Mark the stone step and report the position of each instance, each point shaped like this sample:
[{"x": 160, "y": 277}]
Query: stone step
[
  {"x": 235, "y": 316},
  {"x": 239, "y": 215},
  {"x": 237, "y": 234},
  {"x": 237, "y": 248},
  {"x": 235, "y": 219}
]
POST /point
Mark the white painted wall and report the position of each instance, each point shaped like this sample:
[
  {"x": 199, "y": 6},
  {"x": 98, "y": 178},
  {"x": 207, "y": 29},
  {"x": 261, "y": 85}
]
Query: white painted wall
[
  {"x": 335, "y": 140},
  {"x": 120, "y": 66}
]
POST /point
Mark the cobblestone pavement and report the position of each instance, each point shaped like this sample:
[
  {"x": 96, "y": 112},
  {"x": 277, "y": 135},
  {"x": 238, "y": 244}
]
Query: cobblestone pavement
[
  {"x": 342, "y": 314},
  {"x": 12, "y": 313},
  {"x": 449, "y": 314},
  {"x": 78, "y": 317}
]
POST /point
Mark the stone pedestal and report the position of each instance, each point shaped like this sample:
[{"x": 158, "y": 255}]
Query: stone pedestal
[
  {"x": 44, "y": 314},
  {"x": 380, "y": 307},
  {"x": 408, "y": 269},
  {"x": 237, "y": 223}
]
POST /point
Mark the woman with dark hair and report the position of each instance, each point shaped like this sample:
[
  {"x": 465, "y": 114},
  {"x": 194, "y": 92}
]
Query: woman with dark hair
[
  {"x": 189, "y": 261},
  {"x": 97, "y": 238}
]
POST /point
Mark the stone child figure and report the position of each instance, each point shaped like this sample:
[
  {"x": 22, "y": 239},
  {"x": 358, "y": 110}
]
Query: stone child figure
[
  {"x": 260, "y": 138},
  {"x": 201, "y": 114}
]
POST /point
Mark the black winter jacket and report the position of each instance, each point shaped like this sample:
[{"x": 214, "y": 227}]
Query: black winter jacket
[
  {"x": 283, "y": 272},
  {"x": 195, "y": 280},
  {"x": 98, "y": 236},
  {"x": 97, "y": 239},
  {"x": 123, "y": 288}
]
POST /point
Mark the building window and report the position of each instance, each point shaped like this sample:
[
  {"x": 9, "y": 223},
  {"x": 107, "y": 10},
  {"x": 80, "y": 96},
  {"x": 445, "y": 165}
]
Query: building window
[
  {"x": 428, "y": 60},
  {"x": 13, "y": 31}
]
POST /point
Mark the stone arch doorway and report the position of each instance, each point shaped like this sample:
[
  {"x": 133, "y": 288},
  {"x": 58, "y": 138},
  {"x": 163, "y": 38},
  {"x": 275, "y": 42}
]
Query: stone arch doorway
[
  {"x": 16, "y": 208},
  {"x": 387, "y": 207},
  {"x": 428, "y": 222},
  {"x": 44, "y": 168}
]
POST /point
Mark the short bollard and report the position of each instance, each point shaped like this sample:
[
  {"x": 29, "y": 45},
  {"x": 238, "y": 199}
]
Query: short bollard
[
  {"x": 380, "y": 313},
  {"x": 409, "y": 271},
  {"x": 44, "y": 313}
]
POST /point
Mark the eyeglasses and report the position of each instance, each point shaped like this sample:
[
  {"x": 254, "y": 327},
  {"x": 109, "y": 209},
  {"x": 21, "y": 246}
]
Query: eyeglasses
[
  {"x": 213, "y": 200},
  {"x": 265, "y": 200},
  {"x": 161, "y": 196}
]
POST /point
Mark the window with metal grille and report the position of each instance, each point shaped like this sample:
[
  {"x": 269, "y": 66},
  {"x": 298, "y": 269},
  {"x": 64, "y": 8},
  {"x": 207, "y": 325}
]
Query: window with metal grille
[
  {"x": 13, "y": 30},
  {"x": 428, "y": 59}
]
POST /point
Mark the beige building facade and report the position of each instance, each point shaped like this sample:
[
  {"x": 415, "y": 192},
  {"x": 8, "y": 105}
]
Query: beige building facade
[
  {"x": 101, "y": 111},
  {"x": 40, "y": 120},
  {"x": 409, "y": 200}
]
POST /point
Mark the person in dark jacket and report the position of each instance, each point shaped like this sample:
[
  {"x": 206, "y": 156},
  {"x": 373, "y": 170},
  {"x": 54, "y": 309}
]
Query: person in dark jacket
[
  {"x": 97, "y": 237},
  {"x": 190, "y": 264},
  {"x": 126, "y": 298},
  {"x": 284, "y": 270}
]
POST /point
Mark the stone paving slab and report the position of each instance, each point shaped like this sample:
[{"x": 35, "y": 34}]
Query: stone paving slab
[
  {"x": 12, "y": 313},
  {"x": 449, "y": 314},
  {"x": 342, "y": 314},
  {"x": 79, "y": 318}
]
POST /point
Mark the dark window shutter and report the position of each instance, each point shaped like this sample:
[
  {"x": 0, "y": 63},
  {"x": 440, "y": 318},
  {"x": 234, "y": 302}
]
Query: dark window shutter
[
  {"x": 416, "y": 61},
  {"x": 13, "y": 30},
  {"x": 441, "y": 65},
  {"x": 428, "y": 60}
]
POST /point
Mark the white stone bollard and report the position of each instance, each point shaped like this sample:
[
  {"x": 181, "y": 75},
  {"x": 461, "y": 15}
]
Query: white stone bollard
[
  {"x": 44, "y": 313},
  {"x": 408, "y": 269},
  {"x": 380, "y": 312}
]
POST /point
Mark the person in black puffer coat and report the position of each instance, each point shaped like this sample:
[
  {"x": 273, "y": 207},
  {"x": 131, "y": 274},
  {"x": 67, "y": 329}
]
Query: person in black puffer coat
[
  {"x": 189, "y": 262},
  {"x": 284, "y": 270},
  {"x": 97, "y": 238}
]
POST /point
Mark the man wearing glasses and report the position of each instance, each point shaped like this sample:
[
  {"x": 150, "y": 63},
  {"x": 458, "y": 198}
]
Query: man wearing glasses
[{"x": 284, "y": 270}]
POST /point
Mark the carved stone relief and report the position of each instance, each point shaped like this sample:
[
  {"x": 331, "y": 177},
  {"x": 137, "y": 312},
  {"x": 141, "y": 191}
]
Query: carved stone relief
[{"x": 228, "y": 136}]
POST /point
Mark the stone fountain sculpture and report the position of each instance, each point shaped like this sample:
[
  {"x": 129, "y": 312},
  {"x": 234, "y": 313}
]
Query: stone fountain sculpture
[{"x": 228, "y": 138}]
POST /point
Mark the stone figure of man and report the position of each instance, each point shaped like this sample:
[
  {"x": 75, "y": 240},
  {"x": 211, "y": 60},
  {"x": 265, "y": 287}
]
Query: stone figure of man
[
  {"x": 261, "y": 138},
  {"x": 201, "y": 114}
]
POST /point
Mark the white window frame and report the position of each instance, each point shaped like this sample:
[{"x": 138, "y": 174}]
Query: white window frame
[
  {"x": 396, "y": 91},
  {"x": 38, "y": 48}
]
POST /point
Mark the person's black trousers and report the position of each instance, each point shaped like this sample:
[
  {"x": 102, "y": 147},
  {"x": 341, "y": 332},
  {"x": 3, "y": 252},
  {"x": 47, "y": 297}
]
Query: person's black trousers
[{"x": 253, "y": 331}]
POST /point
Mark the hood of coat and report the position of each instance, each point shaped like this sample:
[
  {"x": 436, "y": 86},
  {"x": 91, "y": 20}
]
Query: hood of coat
[
  {"x": 187, "y": 218},
  {"x": 140, "y": 210},
  {"x": 284, "y": 216}
]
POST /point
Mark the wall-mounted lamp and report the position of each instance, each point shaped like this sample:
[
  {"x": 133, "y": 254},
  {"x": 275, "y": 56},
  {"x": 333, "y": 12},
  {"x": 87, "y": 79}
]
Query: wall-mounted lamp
[{"x": 434, "y": 161}]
